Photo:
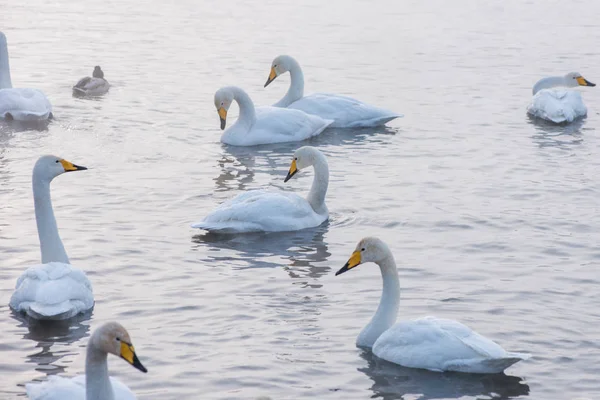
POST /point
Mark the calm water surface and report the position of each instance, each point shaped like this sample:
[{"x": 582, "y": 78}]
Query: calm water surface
[{"x": 492, "y": 217}]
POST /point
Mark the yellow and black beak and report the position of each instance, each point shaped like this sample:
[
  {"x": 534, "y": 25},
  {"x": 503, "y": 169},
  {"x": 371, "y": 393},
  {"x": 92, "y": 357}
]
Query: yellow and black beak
[
  {"x": 292, "y": 171},
  {"x": 223, "y": 116},
  {"x": 352, "y": 262},
  {"x": 128, "y": 354},
  {"x": 69, "y": 166},
  {"x": 584, "y": 82},
  {"x": 272, "y": 76}
]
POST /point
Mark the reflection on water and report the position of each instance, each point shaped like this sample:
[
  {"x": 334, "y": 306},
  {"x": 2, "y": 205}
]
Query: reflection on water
[
  {"x": 23, "y": 126},
  {"x": 557, "y": 135},
  {"x": 391, "y": 381}
]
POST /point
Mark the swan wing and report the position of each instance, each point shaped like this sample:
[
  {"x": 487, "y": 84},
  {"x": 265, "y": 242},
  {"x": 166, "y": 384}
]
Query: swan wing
[
  {"x": 558, "y": 106},
  {"x": 24, "y": 104},
  {"x": 59, "y": 388},
  {"x": 52, "y": 291}
]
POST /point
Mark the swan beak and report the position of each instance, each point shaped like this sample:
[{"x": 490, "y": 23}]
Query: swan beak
[
  {"x": 223, "y": 116},
  {"x": 584, "y": 82},
  {"x": 352, "y": 262},
  {"x": 69, "y": 166},
  {"x": 128, "y": 354},
  {"x": 292, "y": 171},
  {"x": 272, "y": 76}
]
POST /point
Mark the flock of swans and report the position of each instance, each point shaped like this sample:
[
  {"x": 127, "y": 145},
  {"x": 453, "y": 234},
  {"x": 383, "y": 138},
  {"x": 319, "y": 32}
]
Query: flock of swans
[{"x": 57, "y": 290}]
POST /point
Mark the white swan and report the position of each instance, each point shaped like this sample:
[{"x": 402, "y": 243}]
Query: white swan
[
  {"x": 55, "y": 289},
  {"x": 19, "y": 104},
  {"x": 558, "y": 105},
  {"x": 428, "y": 343},
  {"x": 266, "y": 211},
  {"x": 94, "y": 86},
  {"x": 264, "y": 125},
  {"x": 346, "y": 112},
  {"x": 95, "y": 384}
]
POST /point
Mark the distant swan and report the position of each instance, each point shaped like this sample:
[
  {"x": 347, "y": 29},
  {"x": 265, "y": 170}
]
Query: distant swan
[
  {"x": 429, "y": 343},
  {"x": 19, "y": 104},
  {"x": 264, "y": 125},
  {"x": 270, "y": 211},
  {"x": 55, "y": 289},
  {"x": 110, "y": 338},
  {"x": 346, "y": 112},
  {"x": 94, "y": 86},
  {"x": 558, "y": 105}
]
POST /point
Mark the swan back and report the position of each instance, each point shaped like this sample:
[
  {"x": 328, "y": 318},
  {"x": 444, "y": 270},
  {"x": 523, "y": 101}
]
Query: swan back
[{"x": 5, "y": 81}]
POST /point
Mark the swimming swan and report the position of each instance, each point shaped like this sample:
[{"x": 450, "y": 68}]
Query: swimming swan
[
  {"x": 110, "y": 338},
  {"x": 19, "y": 104},
  {"x": 560, "y": 105},
  {"x": 55, "y": 289},
  {"x": 346, "y": 112},
  {"x": 264, "y": 124},
  {"x": 428, "y": 343},
  {"x": 94, "y": 86},
  {"x": 267, "y": 211}
]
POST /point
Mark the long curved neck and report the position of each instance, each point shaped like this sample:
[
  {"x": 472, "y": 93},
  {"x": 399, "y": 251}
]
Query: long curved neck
[
  {"x": 296, "y": 89},
  {"x": 97, "y": 381},
  {"x": 5, "y": 81},
  {"x": 318, "y": 190},
  {"x": 247, "y": 112},
  {"x": 50, "y": 243},
  {"x": 387, "y": 312},
  {"x": 548, "y": 83}
]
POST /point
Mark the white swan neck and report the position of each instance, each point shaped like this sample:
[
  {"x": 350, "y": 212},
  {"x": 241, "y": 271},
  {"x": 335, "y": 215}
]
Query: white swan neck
[
  {"x": 50, "y": 244},
  {"x": 5, "y": 81},
  {"x": 247, "y": 115},
  {"x": 296, "y": 89},
  {"x": 318, "y": 190},
  {"x": 387, "y": 312},
  {"x": 548, "y": 83},
  {"x": 97, "y": 381}
]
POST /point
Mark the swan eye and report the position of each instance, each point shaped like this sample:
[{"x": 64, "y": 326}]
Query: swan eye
[
  {"x": 363, "y": 249},
  {"x": 57, "y": 161},
  {"x": 295, "y": 158},
  {"x": 118, "y": 339}
]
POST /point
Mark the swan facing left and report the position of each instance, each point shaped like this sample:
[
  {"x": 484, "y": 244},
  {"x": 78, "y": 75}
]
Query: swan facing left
[
  {"x": 53, "y": 290},
  {"x": 94, "y": 86},
  {"x": 428, "y": 343},
  {"x": 19, "y": 104},
  {"x": 96, "y": 384}
]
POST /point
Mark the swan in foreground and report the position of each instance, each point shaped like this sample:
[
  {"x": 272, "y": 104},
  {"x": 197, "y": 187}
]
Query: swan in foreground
[
  {"x": 18, "y": 103},
  {"x": 264, "y": 125},
  {"x": 428, "y": 343},
  {"x": 94, "y": 86},
  {"x": 559, "y": 105},
  {"x": 110, "y": 338},
  {"x": 267, "y": 211},
  {"x": 346, "y": 112},
  {"x": 54, "y": 289}
]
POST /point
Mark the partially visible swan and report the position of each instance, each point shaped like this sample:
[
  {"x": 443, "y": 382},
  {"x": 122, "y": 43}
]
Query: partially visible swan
[
  {"x": 346, "y": 112},
  {"x": 110, "y": 338},
  {"x": 267, "y": 211},
  {"x": 558, "y": 105},
  {"x": 264, "y": 124},
  {"x": 20, "y": 104},
  {"x": 94, "y": 86},
  {"x": 429, "y": 343},
  {"x": 55, "y": 289}
]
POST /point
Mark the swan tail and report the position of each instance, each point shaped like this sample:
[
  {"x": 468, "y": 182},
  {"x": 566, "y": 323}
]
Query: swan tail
[
  {"x": 485, "y": 366},
  {"x": 60, "y": 311}
]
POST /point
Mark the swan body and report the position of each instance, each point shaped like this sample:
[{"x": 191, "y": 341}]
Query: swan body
[
  {"x": 54, "y": 290},
  {"x": 264, "y": 125},
  {"x": 94, "y": 86},
  {"x": 267, "y": 211},
  {"x": 429, "y": 343},
  {"x": 558, "y": 105},
  {"x": 19, "y": 104},
  {"x": 95, "y": 384},
  {"x": 346, "y": 112}
]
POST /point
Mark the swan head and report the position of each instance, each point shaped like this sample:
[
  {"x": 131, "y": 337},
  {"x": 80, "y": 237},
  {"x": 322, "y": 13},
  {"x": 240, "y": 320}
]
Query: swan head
[
  {"x": 114, "y": 339},
  {"x": 49, "y": 167},
  {"x": 280, "y": 65},
  {"x": 574, "y": 79},
  {"x": 303, "y": 157},
  {"x": 369, "y": 249},
  {"x": 223, "y": 100},
  {"x": 98, "y": 73}
]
